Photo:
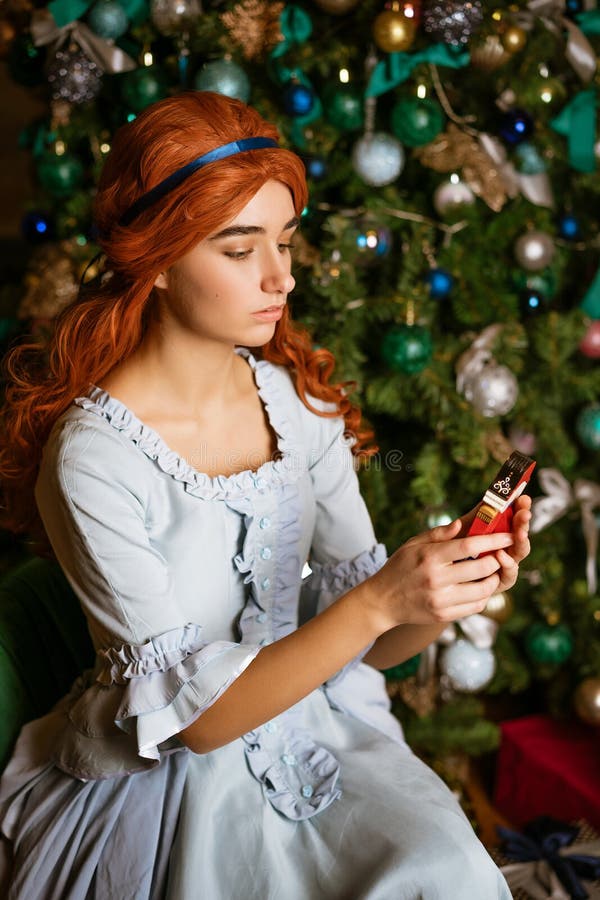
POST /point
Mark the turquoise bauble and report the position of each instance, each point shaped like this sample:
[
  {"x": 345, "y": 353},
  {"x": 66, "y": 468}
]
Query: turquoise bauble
[
  {"x": 407, "y": 348},
  {"x": 223, "y": 76},
  {"x": 549, "y": 643},
  {"x": 142, "y": 87},
  {"x": 60, "y": 175},
  {"x": 416, "y": 122},
  {"x": 587, "y": 426},
  {"x": 108, "y": 19},
  {"x": 344, "y": 106}
]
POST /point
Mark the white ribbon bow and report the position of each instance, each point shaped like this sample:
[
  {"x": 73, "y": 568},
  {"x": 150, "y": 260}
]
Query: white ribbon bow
[{"x": 107, "y": 57}]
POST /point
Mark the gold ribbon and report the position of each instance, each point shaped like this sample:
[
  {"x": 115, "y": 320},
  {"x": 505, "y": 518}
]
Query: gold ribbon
[
  {"x": 560, "y": 496},
  {"x": 109, "y": 58},
  {"x": 535, "y": 188},
  {"x": 539, "y": 879},
  {"x": 578, "y": 52}
]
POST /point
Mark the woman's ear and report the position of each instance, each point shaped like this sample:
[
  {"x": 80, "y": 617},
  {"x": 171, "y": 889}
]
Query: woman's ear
[{"x": 161, "y": 281}]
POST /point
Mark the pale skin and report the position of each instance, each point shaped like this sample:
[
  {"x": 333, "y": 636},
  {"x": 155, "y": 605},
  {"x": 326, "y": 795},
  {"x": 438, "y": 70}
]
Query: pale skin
[{"x": 186, "y": 382}]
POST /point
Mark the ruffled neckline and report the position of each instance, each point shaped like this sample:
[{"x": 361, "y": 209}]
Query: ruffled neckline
[{"x": 284, "y": 470}]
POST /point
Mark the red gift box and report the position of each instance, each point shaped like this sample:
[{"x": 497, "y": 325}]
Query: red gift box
[{"x": 548, "y": 768}]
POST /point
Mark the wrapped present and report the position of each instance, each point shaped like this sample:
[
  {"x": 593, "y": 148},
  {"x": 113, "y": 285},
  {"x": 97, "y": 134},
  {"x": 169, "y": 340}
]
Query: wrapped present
[
  {"x": 550, "y": 860},
  {"x": 545, "y": 767}
]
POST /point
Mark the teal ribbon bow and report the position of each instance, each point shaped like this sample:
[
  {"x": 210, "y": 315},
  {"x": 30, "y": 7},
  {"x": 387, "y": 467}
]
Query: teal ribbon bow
[
  {"x": 391, "y": 72},
  {"x": 66, "y": 11},
  {"x": 591, "y": 302},
  {"x": 577, "y": 122},
  {"x": 589, "y": 21}
]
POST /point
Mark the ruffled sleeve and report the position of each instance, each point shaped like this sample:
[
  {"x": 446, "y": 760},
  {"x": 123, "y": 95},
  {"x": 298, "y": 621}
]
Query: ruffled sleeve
[{"x": 155, "y": 672}]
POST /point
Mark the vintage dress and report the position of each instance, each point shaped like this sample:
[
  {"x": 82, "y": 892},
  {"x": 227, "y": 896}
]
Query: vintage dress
[{"x": 183, "y": 578}]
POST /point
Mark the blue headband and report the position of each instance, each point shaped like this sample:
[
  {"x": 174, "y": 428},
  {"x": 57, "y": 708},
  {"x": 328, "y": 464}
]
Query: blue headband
[{"x": 174, "y": 180}]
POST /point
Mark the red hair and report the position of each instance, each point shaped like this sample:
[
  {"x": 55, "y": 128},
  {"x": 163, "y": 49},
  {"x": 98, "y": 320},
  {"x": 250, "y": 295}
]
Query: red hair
[{"x": 106, "y": 323}]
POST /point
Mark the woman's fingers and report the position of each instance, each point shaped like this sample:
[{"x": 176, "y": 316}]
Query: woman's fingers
[
  {"x": 462, "y": 600},
  {"x": 469, "y": 547}
]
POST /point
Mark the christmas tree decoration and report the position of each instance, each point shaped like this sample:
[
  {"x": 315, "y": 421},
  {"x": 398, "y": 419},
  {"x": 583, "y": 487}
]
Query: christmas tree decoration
[
  {"x": 254, "y": 26},
  {"x": 416, "y": 122},
  {"x": 489, "y": 54},
  {"x": 316, "y": 166},
  {"x": 438, "y": 517},
  {"x": 532, "y": 302},
  {"x": 590, "y": 343},
  {"x": 516, "y": 125},
  {"x": 174, "y": 17},
  {"x": 468, "y": 668},
  {"x": 440, "y": 283},
  {"x": 529, "y": 160},
  {"x": 344, "y": 106},
  {"x": 407, "y": 348},
  {"x": 568, "y": 227},
  {"x": 394, "y": 32},
  {"x": 298, "y": 99},
  {"x": 522, "y": 440},
  {"x": 451, "y": 22},
  {"x": 499, "y": 607},
  {"x": 51, "y": 281},
  {"x": 108, "y": 19},
  {"x": 513, "y": 39},
  {"x": 587, "y": 426},
  {"x": 586, "y": 700},
  {"x": 378, "y": 158},
  {"x": 544, "y": 282},
  {"x": 534, "y": 250},
  {"x": 60, "y": 174},
  {"x": 73, "y": 76},
  {"x": 403, "y": 670},
  {"x": 142, "y": 87},
  {"x": 493, "y": 390},
  {"x": 373, "y": 241},
  {"x": 549, "y": 643},
  {"x": 451, "y": 195},
  {"x": 224, "y": 77},
  {"x": 37, "y": 227}
]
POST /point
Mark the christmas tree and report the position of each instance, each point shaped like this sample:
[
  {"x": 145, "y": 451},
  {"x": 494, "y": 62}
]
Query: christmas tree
[{"x": 448, "y": 257}]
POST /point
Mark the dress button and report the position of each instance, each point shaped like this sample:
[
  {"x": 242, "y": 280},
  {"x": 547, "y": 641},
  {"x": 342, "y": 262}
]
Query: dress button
[
  {"x": 265, "y": 585},
  {"x": 261, "y": 617},
  {"x": 266, "y": 553},
  {"x": 307, "y": 790},
  {"x": 289, "y": 759},
  {"x": 265, "y": 522},
  {"x": 271, "y": 727}
]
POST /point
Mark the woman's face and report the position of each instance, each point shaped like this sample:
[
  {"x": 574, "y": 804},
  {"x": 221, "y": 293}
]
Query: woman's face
[{"x": 218, "y": 288}]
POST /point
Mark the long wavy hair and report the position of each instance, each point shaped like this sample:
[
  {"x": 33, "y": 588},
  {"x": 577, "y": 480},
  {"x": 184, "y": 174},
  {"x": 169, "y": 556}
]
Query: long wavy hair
[{"x": 107, "y": 321}]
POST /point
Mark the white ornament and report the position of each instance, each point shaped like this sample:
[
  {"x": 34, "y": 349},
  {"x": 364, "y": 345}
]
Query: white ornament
[
  {"x": 174, "y": 16},
  {"x": 451, "y": 195},
  {"x": 534, "y": 250},
  {"x": 468, "y": 667},
  {"x": 378, "y": 158},
  {"x": 493, "y": 390}
]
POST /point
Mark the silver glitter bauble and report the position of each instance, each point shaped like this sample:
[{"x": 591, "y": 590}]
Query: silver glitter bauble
[
  {"x": 73, "y": 77},
  {"x": 174, "y": 16},
  {"x": 451, "y": 195},
  {"x": 108, "y": 19},
  {"x": 534, "y": 250},
  {"x": 493, "y": 390},
  {"x": 378, "y": 158},
  {"x": 468, "y": 667},
  {"x": 224, "y": 77},
  {"x": 452, "y": 23}
]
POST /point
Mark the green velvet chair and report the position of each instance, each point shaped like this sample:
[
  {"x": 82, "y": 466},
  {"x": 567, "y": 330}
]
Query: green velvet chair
[{"x": 44, "y": 645}]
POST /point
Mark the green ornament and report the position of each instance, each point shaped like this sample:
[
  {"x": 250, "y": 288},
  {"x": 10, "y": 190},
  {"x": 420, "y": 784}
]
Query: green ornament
[
  {"x": 404, "y": 670},
  {"x": 544, "y": 282},
  {"x": 59, "y": 175},
  {"x": 416, "y": 122},
  {"x": 407, "y": 348},
  {"x": 587, "y": 426},
  {"x": 142, "y": 87},
  {"x": 108, "y": 19},
  {"x": 344, "y": 106},
  {"x": 224, "y": 77},
  {"x": 548, "y": 643}
]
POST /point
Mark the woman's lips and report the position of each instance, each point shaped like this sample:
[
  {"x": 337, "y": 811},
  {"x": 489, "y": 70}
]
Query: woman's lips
[{"x": 271, "y": 314}]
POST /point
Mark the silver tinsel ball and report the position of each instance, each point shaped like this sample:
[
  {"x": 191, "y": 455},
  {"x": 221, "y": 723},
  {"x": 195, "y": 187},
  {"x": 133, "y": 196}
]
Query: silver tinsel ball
[
  {"x": 452, "y": 194},
  {"x": 452, "y": 23},
  {"x": 73, "y": 77},
  {"x": 493, "y": 390},
  {"x": 378, "y": 158},
  {"x": 108, "y": 19},
  {"x": 224, "y": 77},
  {"x": 468, "y": 667},
  {"x": 174, "y": 16},
  {"x": 534, "y": 250}
]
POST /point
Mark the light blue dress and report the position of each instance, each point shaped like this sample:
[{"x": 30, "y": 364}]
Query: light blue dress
[{"x": 183, "y": 578}]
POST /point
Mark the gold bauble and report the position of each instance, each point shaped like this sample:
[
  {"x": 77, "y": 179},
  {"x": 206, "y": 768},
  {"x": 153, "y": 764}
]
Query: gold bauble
[
  {"x": 489, "y": 55},
  {"x": 393, "y": 32},
  {"x": 337, "y": 7},
  {"x": 499, "y": 607},
  {"x": 514, "y": 39},
  {"x": 587, "y": 701}
]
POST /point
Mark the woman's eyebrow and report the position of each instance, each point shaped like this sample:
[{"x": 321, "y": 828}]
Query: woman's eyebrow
[{"x": 237, "y": 230}]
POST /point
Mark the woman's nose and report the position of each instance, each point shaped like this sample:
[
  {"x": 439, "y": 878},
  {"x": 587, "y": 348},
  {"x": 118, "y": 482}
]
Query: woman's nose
[{"x": 277, "y": 277}]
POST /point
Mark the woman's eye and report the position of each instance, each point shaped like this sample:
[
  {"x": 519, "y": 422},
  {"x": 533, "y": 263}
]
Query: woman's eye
[
  {"x": 237, "y": 254},
  {"x": 286, "y": 246}
]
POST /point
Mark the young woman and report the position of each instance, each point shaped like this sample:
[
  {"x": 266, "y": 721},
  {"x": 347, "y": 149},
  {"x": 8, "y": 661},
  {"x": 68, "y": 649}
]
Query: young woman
[{"x": 194, "y": 457}]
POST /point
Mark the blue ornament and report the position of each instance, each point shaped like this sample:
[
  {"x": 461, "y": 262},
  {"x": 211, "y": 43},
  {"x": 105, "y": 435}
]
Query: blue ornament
[
  {"x": 298, "y": 100},
  {"x": 224, "y": 77},
  {"x": 529, "y": 159},
  {"x": 516, "y": 126},
  {"x": 440, "y": 283},
  {"x": 37, "y": 227},
  {"x": 316, "y": 167},
  {"x": 573, "y": 8},
  {"x": 568, "y": 227},
  {"x": 108, "y": 19},
  {"x": 587, "y": 426},
  {"x": 532, "y": 302}
]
